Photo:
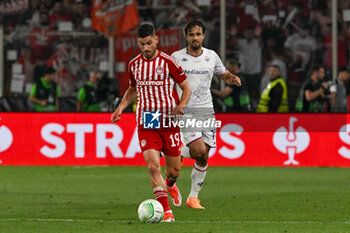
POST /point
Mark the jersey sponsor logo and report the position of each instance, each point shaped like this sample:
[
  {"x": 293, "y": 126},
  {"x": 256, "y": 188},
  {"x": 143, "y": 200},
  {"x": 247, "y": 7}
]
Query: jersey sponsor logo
[
  {"x": 151, "y": 120},
  {"x": 197, "y": 72},
  {"x": 159, "y": 70},
  {"x": 6, "y": 138},
  {"x": 150, "y": 83},
  {"x": 291, "y": 142}
]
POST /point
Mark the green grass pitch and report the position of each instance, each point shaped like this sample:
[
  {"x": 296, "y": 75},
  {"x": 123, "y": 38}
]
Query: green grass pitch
[{"x": 237, "y": 199}]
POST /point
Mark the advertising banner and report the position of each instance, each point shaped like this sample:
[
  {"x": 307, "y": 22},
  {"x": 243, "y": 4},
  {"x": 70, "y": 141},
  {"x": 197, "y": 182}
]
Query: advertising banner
[{"x": 242, "y": 140}]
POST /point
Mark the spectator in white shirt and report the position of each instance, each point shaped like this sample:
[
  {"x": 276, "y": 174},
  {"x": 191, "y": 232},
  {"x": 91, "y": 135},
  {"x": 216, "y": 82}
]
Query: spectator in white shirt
[
  {"x": 250, "y": 48},
  {"x": 299, "y": 47}
]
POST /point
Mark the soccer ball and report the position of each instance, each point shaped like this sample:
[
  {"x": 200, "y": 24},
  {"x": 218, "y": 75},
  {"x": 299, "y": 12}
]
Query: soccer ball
[{"x": 150, "y": 211}]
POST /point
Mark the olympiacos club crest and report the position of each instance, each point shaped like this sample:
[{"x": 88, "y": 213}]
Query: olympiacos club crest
[{"x": 291, "y": 142}]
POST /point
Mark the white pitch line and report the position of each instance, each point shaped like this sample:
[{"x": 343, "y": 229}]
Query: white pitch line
[{"x": 178, "y": 221}]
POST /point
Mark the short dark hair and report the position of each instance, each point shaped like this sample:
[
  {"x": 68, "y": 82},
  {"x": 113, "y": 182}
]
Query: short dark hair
[
  {"x": 193, "y": 23},
  {"x": 145, "y": 30},
  {"x": 344, "y": 69},
  {"x": 50, "y": 70},
  {"x": 316, "y": 68}
]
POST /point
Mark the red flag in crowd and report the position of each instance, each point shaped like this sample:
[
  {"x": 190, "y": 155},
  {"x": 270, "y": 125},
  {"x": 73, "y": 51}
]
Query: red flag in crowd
[{"x": 114, "y": 17}]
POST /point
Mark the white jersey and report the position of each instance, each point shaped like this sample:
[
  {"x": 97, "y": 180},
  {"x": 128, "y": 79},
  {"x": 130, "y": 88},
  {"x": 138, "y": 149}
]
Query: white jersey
[{"x": 199, "y": 71}]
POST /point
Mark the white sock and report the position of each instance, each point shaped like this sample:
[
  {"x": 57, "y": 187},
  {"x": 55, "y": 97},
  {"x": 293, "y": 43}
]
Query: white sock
[
  {"x": 198, "y": 175},
  {"x": 185, "y": 152}
]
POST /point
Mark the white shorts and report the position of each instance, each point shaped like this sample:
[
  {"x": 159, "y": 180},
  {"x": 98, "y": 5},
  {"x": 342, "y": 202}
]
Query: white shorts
[{"x": 209, "y": 137}]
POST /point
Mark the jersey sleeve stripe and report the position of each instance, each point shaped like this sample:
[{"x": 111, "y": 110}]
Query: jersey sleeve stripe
[{"x": 135, "y": 58}]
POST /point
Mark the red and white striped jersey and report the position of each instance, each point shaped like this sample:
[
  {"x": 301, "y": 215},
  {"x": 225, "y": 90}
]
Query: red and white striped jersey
[{"x": 155, "y": 80}]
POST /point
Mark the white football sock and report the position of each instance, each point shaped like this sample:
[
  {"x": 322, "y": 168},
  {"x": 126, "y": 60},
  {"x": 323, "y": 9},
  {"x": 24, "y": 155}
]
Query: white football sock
[
  {"x": 198, "y": 175},
  {"x": 185, "y": 152}
]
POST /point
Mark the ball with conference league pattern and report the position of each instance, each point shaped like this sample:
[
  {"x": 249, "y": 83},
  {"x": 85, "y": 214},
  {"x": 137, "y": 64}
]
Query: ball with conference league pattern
[{"x": 150, "y": 211}]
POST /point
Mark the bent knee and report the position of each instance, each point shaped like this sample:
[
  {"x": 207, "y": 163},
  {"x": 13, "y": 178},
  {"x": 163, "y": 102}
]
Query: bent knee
[
  {"x": 173, "y": 172},
  {"x": 199, "y": 153},
  {"x": 153, "y": 169}
]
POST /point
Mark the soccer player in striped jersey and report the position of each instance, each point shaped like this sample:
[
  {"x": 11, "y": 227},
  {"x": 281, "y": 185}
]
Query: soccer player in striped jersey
[
  {"x": 152, "y": 78},
  {"x": 199, "y": 65}
]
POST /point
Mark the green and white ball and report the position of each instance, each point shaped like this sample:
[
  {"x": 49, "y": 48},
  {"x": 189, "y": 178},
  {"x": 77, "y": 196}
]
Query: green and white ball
[{"x": 150, "y": 211}]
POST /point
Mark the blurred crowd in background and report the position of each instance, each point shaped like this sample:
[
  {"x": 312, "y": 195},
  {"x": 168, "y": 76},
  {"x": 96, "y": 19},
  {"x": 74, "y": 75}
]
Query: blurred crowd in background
[{"x": 265, "y": 39}]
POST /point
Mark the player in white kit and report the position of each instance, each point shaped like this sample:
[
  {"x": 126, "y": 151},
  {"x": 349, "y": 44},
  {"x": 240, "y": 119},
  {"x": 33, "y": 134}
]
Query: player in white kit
[{"x": 199, "y": 65}]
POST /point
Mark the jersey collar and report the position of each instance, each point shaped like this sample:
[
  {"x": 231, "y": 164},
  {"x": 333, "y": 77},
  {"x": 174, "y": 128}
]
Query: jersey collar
[{"x": 193, "y": 55}]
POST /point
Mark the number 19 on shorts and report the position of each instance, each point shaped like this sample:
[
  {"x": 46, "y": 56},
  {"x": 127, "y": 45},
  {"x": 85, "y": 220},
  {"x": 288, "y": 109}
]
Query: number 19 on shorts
[{"x": 175, "y": 139}]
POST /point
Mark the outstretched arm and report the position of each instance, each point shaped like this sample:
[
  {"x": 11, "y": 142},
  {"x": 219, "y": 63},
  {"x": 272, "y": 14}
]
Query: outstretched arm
[
  {"x": 128, "y": 98},
  {"x": 231, "y": 79}
]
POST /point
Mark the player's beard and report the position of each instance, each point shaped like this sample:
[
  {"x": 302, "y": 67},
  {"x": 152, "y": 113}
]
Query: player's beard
[
  {"x": 194, "y": 46},
  {"x": 148, "y": 54}
]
